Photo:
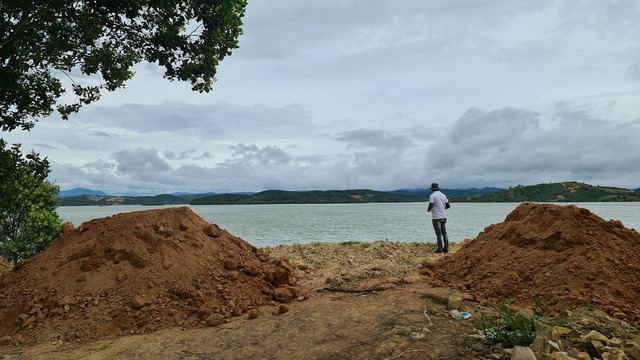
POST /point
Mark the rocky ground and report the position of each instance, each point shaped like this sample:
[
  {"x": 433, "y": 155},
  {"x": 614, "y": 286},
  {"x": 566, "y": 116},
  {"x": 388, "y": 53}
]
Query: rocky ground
[{"x": 378, "y": 300}]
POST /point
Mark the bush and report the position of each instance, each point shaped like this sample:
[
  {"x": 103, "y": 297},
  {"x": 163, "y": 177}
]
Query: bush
[{"x": 28, "y": 218}]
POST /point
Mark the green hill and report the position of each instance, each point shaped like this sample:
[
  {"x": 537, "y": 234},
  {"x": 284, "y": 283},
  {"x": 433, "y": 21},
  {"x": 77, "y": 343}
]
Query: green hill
[
  {"x": 305, "y": 197},
  {"x": 556, "y": 192},
  {"x": 163, "y": 199}
]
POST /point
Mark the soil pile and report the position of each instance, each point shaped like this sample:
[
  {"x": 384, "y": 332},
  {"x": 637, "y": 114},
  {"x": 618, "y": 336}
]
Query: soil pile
[
  {"x": 563, "y": 256},
  {"x": 136, "y": 273},
  {"x": 4, "y": 266}
]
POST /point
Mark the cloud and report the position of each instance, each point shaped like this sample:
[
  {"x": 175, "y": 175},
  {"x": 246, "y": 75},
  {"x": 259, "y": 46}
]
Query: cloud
[
  {"x": 375, "y": 138},
  {"x": 511, "y": 146},
  {"x": 140, "y": 161},
  {"x": 360, "y": 94}
]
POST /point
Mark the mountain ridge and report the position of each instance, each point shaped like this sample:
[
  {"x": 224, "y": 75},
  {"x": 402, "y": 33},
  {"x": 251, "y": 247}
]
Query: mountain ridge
[{"x": 568, "y": 191}]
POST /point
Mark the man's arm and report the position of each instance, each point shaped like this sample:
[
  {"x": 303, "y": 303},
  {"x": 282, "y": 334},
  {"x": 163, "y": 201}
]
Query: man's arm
[
  {"x": 430, "y": 207},
  {"x": 446, "y": 205}
]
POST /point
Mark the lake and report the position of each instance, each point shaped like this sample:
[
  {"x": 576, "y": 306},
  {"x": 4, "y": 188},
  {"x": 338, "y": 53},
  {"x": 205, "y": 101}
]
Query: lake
[{"x": 271, "y": 225}]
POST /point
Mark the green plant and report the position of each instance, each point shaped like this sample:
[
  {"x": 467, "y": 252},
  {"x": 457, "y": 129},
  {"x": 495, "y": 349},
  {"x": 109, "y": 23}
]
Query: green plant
[
  {"x": 507, "y": 328},
  {"x": 28, "y": 218},
  {"x": 82, "y": 48}
]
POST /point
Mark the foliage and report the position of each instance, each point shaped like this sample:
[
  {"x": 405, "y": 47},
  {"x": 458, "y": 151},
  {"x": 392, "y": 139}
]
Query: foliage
[
  {"x": 28, "y": 218},
  {"x": 557, "y": 192},
  {"x": 45, "y": 41},
  {"x": 507, "y": 328}
]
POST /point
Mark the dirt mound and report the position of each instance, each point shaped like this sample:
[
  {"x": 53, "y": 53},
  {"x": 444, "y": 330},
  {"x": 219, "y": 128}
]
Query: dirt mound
[
  {"x": 136, "y": 273},
  {"x": 563, "y": 256},
  {"x": 4, "y": 265}
]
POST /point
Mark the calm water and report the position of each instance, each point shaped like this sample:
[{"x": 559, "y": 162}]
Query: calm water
[{"x": 270, "y": 225}]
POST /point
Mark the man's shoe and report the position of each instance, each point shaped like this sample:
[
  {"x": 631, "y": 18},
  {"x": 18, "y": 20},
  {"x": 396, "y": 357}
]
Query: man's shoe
[
  {"x": 445, "y": 250},
  {"x": 438, "y": 251}
]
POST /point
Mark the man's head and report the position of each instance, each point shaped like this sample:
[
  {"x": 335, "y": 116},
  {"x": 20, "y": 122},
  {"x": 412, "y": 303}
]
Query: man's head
[{"x": 434, "y": 187}]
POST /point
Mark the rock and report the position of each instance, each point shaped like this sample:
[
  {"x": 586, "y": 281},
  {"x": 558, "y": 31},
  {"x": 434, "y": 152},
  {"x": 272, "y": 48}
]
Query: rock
[
  {"x": 214, "y": 320},
  {"x": 67, "y": 300},
  {"x": 522, "y": 353},
  {"x": 614, "y": 354},
  {"x": 467, "y": 297},
  {"x": 139, "y": 301},
  {"x": 615, "y": 342},
  {"x": 526, "y": 313},
  {"x": 560, "y": 355},
  {"x": 282, "y": 295},
  {"x": 619, "y": 315},
  {"x": 553, "y": 346},
  {"x": 582, "y": 356},
  {"x": 562, "y": 330},
  {"x": 632, "y": 349},
  {"x": 547, "y": 340},
  {"x": 253, "y": 314},
  {"x": 6, "y": 340},
  {"x": 598, "y": 346},
  {"x": 593, "y": 335},
  {"x": 230, "y": 264},
  {"x": 282, "y": 309},
  {"x": 454, "y": 302}
]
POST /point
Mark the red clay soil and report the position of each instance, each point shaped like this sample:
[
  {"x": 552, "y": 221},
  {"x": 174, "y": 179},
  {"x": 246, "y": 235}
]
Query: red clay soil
[
  {"x": 137, "y": 273},
  {"x": 564, "y": 256}
]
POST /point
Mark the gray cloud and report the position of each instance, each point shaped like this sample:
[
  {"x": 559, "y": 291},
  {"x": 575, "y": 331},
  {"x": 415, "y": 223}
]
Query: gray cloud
[
  {"x": 140, "y": 161},
  {"x": 376, "y": 139},
  {"x": 511, "y": 146},
  {"x": 363, "y": 94}
]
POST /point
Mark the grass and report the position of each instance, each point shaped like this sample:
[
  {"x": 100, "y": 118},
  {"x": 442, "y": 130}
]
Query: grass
[{"x": 508, "y": 328}]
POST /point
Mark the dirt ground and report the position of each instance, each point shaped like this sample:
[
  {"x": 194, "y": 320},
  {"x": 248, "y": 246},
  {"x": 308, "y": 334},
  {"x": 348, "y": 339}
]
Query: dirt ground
[
  {"x": 365, "y": 313},
  {"x": 378, "y": 300}
]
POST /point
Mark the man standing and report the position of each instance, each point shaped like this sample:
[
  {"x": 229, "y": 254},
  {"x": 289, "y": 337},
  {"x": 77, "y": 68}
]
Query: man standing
[{"x": 438, "y": 203}]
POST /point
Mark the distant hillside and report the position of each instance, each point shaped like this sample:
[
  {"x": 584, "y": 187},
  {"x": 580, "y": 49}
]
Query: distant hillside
[
  {"x": 164, "y": 199},
  {"x": 306, "y": 197},
  {"x": 451, "y": 193},
  {"x": 557, "y": 192},
  {"x": 81, "y": 191}
]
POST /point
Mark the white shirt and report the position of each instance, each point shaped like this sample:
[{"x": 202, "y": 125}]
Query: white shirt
[{"x": 438, "y": 200}]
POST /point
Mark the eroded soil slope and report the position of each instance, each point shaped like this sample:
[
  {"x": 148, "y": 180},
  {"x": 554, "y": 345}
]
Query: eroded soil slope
[
  {"x": 136, "y": 273},
  {"x": 561, "y": 256}
]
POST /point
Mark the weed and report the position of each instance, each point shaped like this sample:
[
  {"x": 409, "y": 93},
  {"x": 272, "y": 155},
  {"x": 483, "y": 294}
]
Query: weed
[{"x": 507, "y": 328}]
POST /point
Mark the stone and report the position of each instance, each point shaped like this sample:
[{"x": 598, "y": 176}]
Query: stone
[
  {"x": 522, "y": 353},
  {"x": 253, "y": 314},
  {"x": 598, "y": 345},
  {"x": 454, "y": 302},
  {"x": 593, "y": 335},
  {"x": 632, "y": 349},
  {"x": 6, "y": 340},
  {"x": 214, "y": 320},
  {"x": 582, "y": 356},
  {"x": 562, "y": 330},
  {"x": 526, "y": 313},
  {"x": 560, "y": 355},
  {"x": 614, "y": 354},
  {"x": 619, "y": 315},
  {"x": 282, "y": 295},
  {"x": 467, "y": 297},
  {"x": 139, "y": 301},
  {"x": 553, "y": 346},
  {"x": 282, "y": 309}
]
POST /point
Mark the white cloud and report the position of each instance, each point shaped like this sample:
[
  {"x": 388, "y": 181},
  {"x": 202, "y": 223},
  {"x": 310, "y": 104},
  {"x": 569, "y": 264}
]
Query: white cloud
[{"x": 381, "y": 95}]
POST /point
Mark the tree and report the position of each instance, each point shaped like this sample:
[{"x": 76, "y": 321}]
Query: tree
[
  {"x": 28, "y": 218},
  {"x": 43, "y": 42}
]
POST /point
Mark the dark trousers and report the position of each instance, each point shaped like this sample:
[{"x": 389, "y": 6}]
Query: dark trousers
[{"x": 441, "y": 233}]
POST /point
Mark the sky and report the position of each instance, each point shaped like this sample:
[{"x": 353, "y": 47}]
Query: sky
[{"x": 375, "y": 94}]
